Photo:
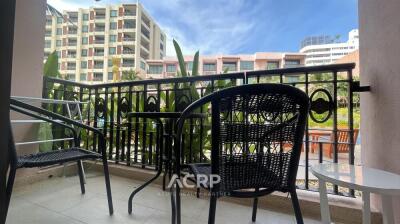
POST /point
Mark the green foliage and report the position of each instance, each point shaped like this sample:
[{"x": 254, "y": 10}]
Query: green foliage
[
  {"x": 130, "y": 75},
  {"x": 50, "y": 68}
]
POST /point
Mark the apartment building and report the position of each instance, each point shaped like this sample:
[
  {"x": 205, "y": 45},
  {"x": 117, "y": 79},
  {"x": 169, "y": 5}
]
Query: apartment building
[
  {"x": 321, "y": 50},
  {"x": 209, "y": 65},
  {"x": 87, "y": 40}
]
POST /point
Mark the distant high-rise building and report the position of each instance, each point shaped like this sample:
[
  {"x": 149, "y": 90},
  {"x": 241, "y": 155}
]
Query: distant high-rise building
[
  {"x": 210, "y": 65},
  {"x": 88, "y": 40},
  {"x": 321, "y": 50}
]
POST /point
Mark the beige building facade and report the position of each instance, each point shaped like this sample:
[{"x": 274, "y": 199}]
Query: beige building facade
[
  {"x": 87, "y": 40},
  {"x": 209, "y": 65}
]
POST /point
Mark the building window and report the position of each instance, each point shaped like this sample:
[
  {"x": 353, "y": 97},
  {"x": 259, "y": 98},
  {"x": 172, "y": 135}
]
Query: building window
[
  {"x": 97, "y": 76},
  {"x": 162, "y": 37},
  {"x": 246, "y": 65},
  {"x": 85, "y": 17},
  {"x": 292, "y": 63},
  {"x": 84, "y": 52},
  {"x": 84, "y": 40},
  {"x": 161, "y": 46},
  {"x": 113, "y": 38},
  {"x": 58, "y": 54},
  {"x": 171, "y": 68},
  {"x": 59, "y": 31},
  {"x": 112, "y": 50},
  {"x": 110, "y": 63},
  {"x": 207, "y": 67},
  {"x": 272, "y": 65},
  {"x": 110, "y": 76},
  {"x": 83, "y": 64},
  {"x": 113, "y": 13},
  {"x": 83, "y": 77},
  {"x": 60, "y": 20},
  {"x": 70, "y": 77},
  {"x": 230, "y": 66},
  {"x": 58, "y": 43},
  {"x": 143, "y": 65},
  {"x": 85, "y": 28},
  {"x": 47, "y": 44},
  {"x": 113, "y": 26},
  {"x": 155, "y": 69}
]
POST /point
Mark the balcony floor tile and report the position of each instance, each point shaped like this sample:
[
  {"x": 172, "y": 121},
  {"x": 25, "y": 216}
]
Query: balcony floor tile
[{"x": 58, "y": 200}]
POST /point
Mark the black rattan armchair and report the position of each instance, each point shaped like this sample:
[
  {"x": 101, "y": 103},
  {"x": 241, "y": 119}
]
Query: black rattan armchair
[
  {"x": 72, "y": 154},
  {"x": 257, "y": 133}
]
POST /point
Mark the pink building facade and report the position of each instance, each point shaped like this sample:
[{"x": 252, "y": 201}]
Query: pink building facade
[{"x": 209, "y": 65}]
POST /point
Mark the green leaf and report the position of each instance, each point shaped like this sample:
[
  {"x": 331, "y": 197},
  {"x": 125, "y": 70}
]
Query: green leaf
[
  {"x": 45, "y": 133},
  {"x": 195, "y": 67},
  {"x": 50, "y": 67},
  {"x": 181, "y": 61},
  {"x": 226, "y": 70}
]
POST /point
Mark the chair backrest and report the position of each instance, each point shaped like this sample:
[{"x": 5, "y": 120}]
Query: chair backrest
[
  {"x": 252, "y": 126},
  {"x": 343, "y": 140}
]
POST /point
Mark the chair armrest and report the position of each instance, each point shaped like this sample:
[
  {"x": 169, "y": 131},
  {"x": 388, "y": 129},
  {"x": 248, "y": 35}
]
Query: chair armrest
[
  {"x": 28, "y": 113},
  {"x": 52, "y": 115}
]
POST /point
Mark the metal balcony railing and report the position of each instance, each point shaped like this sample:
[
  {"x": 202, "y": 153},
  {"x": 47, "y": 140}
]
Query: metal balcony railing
[
  {"x": 129, "y": 39},
  {"x": 334, "y": 109}
]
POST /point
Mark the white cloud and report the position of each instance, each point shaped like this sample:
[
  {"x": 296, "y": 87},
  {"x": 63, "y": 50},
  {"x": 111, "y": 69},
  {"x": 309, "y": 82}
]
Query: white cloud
[{"x": 219, "y": 26}]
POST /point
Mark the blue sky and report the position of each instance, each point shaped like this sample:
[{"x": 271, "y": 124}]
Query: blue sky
[{"x": 241, "y": 26}]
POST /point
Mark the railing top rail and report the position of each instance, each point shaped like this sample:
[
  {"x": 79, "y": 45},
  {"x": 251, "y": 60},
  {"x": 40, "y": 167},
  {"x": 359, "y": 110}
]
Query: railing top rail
[
  {"x": 237, "y": 75},
  {"x": 308, "y": 69}
]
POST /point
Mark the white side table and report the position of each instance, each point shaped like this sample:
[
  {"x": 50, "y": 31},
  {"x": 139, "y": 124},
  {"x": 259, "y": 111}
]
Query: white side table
[{"x": 367, "y": 180}]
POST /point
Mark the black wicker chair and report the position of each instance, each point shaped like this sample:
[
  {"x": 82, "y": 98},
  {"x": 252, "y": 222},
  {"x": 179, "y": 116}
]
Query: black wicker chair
[
  {"x": 72, "y": 154},
  {"x": 257, "y": 133}
]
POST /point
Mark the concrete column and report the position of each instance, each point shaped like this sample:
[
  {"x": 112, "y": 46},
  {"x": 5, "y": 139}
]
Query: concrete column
[
  {"x": 379, "y": 23},
  {"x": 28, "y": 59}
]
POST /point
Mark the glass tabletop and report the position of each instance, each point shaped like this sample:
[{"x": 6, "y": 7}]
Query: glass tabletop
[{"x": 357, "y": 177}]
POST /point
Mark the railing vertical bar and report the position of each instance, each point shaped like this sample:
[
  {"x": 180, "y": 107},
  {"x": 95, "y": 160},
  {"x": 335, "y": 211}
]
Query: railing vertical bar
[
  {"x": 201, "y": 129},
  {"x": 129, "y": 137},
  {"x": 123, "y": 135},
  {"x": 335, "y": 124},
  {"x": 144, "y": 131},
  {"x": 111, "y": 147},
  {"x": 118, "y": 129},
  {"x": 96, "y": 98},
  {"x": 151, "y": 148},
  {"x": 88, "y": 118},
  {"x": 136, "y": 128},
  {"x": 351, "y": 121},
  {"x": 307, "y": 142},
  {"x": 105, "y": 114}
]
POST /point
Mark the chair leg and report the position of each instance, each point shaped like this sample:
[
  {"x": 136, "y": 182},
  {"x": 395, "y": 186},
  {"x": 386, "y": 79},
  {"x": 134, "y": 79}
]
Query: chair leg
[
  {"x": 213, "y": 208},
  {"x": 296, "y": 207},
  {"x": 81, "y": 176},
  {"x": 108, "y": 185},
  {"x": 178, "y": 204},
  {"x": 255, "y": 203},
  {"x": 173, "y": 205},
  {"x": 9, "y": 188}
]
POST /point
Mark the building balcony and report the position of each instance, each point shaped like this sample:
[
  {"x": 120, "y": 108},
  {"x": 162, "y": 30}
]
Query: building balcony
[
  {"x": 72, "y": 32},
  {"x": 71, "y": 67},
  {"x": 71, "y": 55},
  {"x": 99, "y": 42},
  {"x": 129, "y": 39},
  {"x": 131, "y": 52},
  {"x": 316, "y": 150},
  {"x": 98, "y": 54},
  {"x": 98, "y": 66},
  {"x": 130, "y": 65}
]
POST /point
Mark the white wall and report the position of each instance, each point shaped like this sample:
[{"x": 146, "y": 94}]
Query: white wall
[
  {"x": 28, "y": 56},
  {"x": 380, "y": 67}
]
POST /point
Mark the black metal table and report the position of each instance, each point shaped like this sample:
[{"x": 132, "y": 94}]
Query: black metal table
[{"x": 171, "y": 118}]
